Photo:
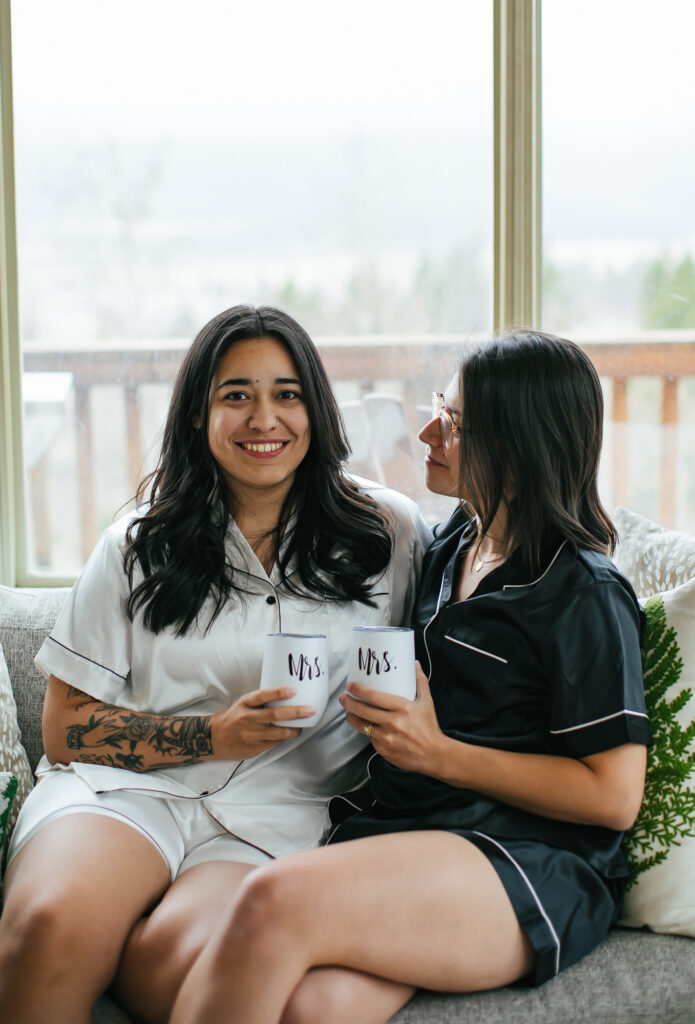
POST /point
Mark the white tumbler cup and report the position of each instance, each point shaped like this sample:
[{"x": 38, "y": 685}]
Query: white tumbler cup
[
  {"x": 383, "y": 658},
  {"x": 301, "y": 661}
]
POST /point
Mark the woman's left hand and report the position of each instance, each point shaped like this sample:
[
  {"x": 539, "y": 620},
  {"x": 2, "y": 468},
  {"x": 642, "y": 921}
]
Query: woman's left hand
[{"x": 405, "y": 732}]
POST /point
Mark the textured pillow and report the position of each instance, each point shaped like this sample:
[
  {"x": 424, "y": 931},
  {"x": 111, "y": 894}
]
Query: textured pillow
[
  {"x": 13, "y": 757},
  {"x": 652, "y": 558},
  {"x": 661, "y": 846}
]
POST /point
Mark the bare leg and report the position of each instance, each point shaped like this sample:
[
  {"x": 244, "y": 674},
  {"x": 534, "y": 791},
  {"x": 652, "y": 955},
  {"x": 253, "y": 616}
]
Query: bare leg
[
  {"x": 163, "y": 946},
  {"x": 419, "y": 908},
  {"x": 342, "y": 996},
  {"x": 71, "y": 897}
]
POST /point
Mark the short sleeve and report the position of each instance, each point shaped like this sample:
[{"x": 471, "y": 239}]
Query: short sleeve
[
  {"x": 90, "y": 644},
  {"x": 593, "y": 657}
]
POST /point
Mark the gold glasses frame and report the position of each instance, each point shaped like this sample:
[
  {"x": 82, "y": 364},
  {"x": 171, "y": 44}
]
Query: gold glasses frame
[{"x": 447, "y": 427}]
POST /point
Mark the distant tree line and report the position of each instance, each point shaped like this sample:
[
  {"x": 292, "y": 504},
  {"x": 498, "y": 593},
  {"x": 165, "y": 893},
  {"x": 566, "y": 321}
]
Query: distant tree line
[
  {"x": 668, "y": 293},
  {"x": 445, "y": 295}
]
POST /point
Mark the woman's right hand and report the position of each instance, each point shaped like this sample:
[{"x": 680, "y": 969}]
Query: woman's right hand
[{"x": 246, "y": 728}]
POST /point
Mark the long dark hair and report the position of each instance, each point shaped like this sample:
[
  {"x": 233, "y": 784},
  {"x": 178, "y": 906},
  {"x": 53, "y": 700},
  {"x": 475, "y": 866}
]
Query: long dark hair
[
  {"x": 532, "y": 415},
  {"x": 338, "y": 536}
]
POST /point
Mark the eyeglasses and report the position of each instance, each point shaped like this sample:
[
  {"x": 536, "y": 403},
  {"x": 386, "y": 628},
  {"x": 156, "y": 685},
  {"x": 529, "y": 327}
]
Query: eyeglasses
[{"x": 447, "y": 426}]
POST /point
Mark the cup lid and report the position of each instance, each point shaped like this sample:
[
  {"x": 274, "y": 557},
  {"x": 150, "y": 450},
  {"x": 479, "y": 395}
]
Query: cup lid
[
  {"x": 381, "y": 629},
  {"x": 301, "y": 636}
]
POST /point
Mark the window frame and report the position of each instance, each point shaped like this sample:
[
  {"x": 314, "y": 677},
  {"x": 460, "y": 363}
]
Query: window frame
[
  {"x": 12, "y": 538},
  {"x": 516, "y": 242}
]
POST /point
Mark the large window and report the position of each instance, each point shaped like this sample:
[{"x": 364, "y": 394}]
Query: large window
[
  {"x": 172, "y": 160},
  {"x": 619, "y": 232},
  {"x": 350, "y": 164}
]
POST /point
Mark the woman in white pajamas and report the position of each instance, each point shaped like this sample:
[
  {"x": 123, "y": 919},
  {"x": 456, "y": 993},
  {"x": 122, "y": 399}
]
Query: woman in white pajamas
[{"x": 167, "y": 778}]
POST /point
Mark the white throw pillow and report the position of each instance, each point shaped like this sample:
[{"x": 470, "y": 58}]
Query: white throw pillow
[
  {"x": 653, "y": 559},
  {"x": 13, "y": 756},
  {"x": 661, "y": 846}
]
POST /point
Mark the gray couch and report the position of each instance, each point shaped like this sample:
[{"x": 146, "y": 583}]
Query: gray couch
[{"x": 632, "y": 977}]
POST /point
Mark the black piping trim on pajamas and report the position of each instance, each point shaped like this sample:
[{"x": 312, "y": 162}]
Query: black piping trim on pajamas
[
  {"x": 206, "y": 794},
  {"x": 234, "y": 835},
  {"x": 105, "y": 812},
  {"x": 85, "y": 658},
  {"x": 201, "y": 796},
  {"x": 140, "y": 827},
  {"x": 240, "y": 839}
]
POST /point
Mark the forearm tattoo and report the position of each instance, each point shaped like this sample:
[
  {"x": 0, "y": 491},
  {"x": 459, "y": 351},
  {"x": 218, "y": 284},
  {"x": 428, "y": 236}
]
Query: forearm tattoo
[{"x": 121, "y": 738}]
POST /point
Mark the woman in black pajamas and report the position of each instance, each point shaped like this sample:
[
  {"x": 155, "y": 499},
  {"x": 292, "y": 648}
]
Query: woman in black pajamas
[{"x": 486, "y": 847}]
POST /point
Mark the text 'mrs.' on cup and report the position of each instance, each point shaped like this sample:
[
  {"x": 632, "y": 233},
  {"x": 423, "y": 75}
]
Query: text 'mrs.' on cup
[
  {"x": 299, "y": 660},
  {"x": 383, "y": 658}
]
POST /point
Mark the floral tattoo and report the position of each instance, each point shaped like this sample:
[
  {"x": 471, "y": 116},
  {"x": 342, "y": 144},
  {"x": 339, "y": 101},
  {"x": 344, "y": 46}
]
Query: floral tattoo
[{"x": 124, "y": 735}]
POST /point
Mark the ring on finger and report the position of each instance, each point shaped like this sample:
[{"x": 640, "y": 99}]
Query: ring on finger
[{"x": 368, "y": 729}]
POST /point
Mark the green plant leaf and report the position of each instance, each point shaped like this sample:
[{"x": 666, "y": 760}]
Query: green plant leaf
[{"x": 667, "y": 814}]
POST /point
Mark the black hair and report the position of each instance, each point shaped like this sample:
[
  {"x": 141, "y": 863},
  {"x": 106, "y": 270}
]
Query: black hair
[
  {"x": 532, "y": 426},
  {"x": 337, "y": 536}
]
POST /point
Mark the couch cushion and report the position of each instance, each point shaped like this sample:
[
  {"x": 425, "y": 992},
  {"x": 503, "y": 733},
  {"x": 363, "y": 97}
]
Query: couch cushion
[
  {"x": 107, "y": 1012},
  {"x": 631, "y": 977},
  {"x": 26, "y": 618}
]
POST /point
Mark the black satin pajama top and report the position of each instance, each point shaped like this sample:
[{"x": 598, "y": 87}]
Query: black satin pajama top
[{"x": 545, "y": 663}]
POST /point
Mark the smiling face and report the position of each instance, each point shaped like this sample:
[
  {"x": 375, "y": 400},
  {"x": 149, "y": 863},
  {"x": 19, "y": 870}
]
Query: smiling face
[
  {"x": 258, "y": 425},
  {"x": 442, "y": 464}
]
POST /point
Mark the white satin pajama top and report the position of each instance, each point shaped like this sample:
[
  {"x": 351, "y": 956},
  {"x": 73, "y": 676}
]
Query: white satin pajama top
[{"x": 278, "y": 800}]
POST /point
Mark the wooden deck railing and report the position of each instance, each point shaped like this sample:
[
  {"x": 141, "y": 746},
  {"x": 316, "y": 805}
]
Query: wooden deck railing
[{"x": 417, "y": 364}]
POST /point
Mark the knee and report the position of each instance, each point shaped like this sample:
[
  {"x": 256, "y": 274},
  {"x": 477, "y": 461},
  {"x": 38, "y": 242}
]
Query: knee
[
  {"x": 160, "y": 950},
  {"x": 43, "y": 929},
  {"x": 44, "y": 922},
  {"x": 154, "y": 964},
  {"x": 271, "y": 900},
  {"x": 156, "y": 938},
  {"x": 322, "y": 995}
]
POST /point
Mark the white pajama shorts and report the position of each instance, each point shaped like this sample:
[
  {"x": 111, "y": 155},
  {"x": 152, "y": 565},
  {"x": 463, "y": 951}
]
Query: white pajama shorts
[{"x": 184, "y": 831}]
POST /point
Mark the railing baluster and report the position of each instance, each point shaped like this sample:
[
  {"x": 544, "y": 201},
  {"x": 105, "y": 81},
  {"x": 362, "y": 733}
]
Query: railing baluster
[
  {"x": 134, "y": 443},
  {"x": 40, "y": 512},
  {"x": 620, "y": 467},
  {"x": 669, "y": 451},
  {"x": 85, "y": 470}
]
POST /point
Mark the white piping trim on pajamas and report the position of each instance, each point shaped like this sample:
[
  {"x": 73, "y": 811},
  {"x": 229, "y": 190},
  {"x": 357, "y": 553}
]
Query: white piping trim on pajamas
[
  {"x": 597, "y": 721},
  {"x": 330, "y": 835},
  {"x": 339, "y": 796},
  {"x": 551, "y": 927},
  {"x": 520, "y": 586},
  {"x": 478, "y": 650},
  {"x": 424, "y": 632}
]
